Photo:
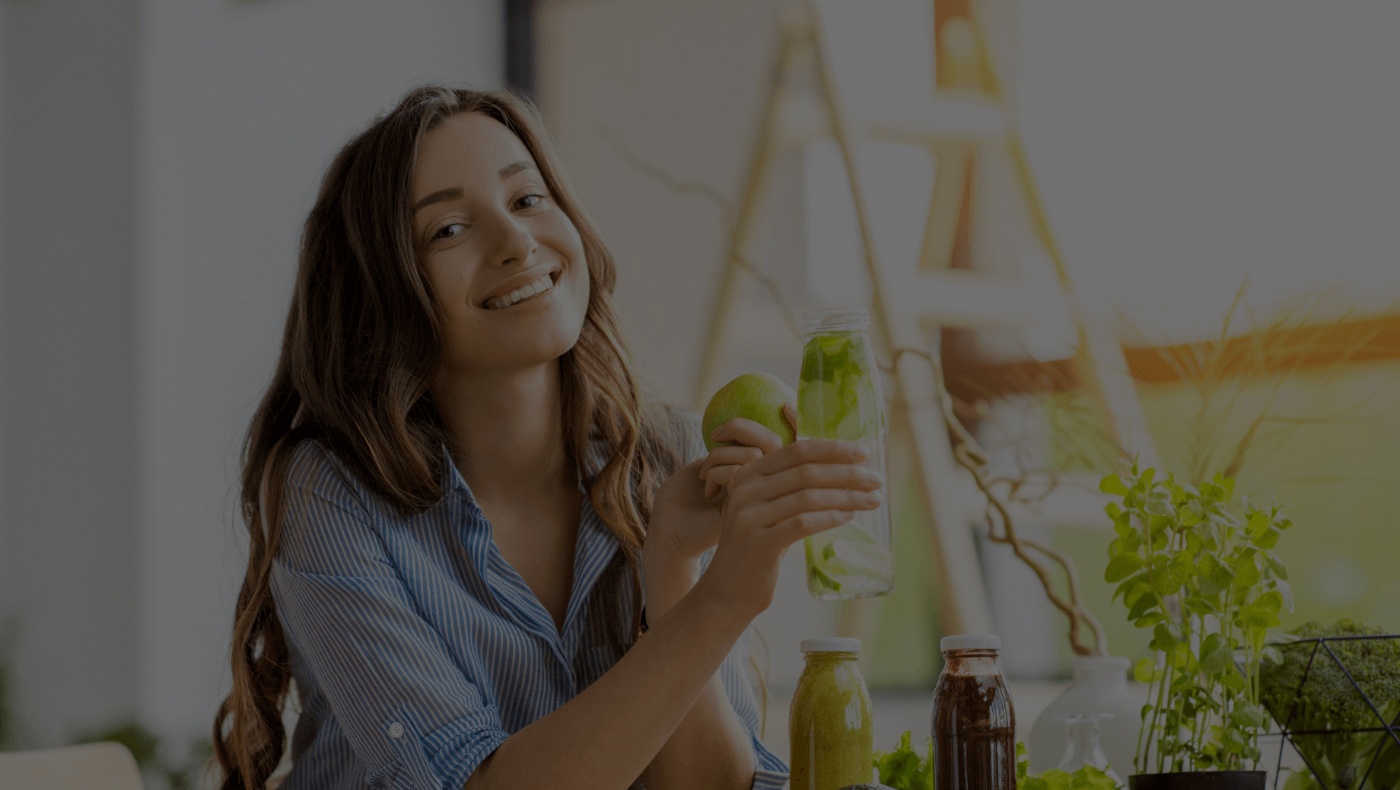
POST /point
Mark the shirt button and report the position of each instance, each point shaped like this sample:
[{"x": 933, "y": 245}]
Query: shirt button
[{"x": 395, "y": 730}]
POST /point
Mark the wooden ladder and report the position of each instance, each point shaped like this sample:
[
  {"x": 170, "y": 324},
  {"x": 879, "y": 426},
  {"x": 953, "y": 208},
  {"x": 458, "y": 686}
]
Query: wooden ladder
[{"x": 908, "y": 307}]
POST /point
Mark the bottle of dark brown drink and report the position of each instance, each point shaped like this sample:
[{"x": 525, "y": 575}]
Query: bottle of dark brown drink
[{"x": 974, "y": 726}]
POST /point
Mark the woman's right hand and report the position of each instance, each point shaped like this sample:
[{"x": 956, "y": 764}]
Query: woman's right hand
[{"x": 801, "y": 489}]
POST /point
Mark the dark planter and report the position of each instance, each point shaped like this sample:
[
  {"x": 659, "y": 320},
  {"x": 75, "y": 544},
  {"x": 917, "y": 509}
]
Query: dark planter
[{"x": 1199, "y": 780}]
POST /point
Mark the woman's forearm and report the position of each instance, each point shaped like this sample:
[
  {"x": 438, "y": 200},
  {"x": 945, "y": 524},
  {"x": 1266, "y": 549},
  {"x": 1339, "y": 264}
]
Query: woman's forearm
[
  {"x": 711, "y": 749},
  {"x": 604, "y": 738}
]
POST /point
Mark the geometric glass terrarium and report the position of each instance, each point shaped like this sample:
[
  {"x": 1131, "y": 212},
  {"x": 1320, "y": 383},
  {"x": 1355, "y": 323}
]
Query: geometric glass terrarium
[{"x": 1337, "y": 697}]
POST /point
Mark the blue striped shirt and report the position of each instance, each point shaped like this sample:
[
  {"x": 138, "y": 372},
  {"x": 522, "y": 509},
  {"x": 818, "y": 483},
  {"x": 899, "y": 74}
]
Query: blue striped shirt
[{"x": 417, "y": 649}]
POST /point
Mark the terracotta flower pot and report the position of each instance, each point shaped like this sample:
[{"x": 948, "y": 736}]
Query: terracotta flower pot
[{"x": 1199, "y": 780}]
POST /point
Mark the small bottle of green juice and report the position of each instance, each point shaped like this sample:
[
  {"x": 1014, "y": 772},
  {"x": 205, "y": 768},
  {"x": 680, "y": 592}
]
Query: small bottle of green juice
[
  {"x": 830, "y": 723},
  {"x": 838, "y": 397}
]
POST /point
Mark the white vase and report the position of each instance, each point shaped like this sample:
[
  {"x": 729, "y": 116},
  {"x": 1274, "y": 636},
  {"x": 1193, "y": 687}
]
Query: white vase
[{"x": 1100, "y": 687}]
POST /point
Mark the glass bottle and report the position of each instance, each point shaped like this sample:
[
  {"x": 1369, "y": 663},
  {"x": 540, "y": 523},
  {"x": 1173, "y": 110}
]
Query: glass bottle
[
  {"x": 830, "y": 724},
  {"x": 1100, "y": 686},
  {"x": 839, "y": 397},
  {"x": 974, "y": 724},
  {"x": 1084, "y": 748}
]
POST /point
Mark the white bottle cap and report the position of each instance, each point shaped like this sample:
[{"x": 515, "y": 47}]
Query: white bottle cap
[
  {"x": 831, "y": 644},
  {"x": 970, "y": 642}
]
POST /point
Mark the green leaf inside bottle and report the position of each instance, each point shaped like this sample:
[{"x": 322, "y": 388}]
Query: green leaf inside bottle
[{"x": 835, "y": 395}]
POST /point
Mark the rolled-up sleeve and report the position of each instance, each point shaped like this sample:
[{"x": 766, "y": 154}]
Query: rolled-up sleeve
[{"x": 409, "y": 711}]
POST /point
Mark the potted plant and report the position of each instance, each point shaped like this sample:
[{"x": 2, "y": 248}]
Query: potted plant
[
  {"x": 1336, "y": 692},
  {"x": 1208, "y": 585}
]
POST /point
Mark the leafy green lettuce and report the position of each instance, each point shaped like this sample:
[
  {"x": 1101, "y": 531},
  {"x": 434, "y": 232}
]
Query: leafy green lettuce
[
  {"x": 904, "y": 769},
  {"x": 1085, "y": 778}
]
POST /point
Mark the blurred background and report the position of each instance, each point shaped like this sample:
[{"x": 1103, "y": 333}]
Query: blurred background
[{"x": 1220, "y": 181}]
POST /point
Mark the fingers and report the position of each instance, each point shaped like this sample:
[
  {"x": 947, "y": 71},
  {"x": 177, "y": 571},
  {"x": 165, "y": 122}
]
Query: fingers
[
  {"x": 720, "y": 476},
  {"x": 812, "y": 500},
  {"x": 790, "y": 414},
  {"x": 810, "y": 451},
  {"x": 805, "y": 525},
  {"x": 815, "y": 475},
  {"x": 748, "y": 433},
  {"x": 724, "y": 456}
]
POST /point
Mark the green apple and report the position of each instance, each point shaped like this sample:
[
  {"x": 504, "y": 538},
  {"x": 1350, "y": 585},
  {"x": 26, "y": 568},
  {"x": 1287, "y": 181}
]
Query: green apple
[{"x": 753, "y": 396}]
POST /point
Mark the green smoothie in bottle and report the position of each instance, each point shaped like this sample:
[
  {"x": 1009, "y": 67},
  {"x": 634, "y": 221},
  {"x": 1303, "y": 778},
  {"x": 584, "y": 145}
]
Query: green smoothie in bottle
[{"x": 830, "y": 723}]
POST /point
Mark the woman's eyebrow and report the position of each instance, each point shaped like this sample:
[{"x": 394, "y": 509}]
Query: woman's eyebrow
[
  {"x": 451, "y": 193},
  {"x": 516, "y": 167},
  {"x": 437, "y": 197}
]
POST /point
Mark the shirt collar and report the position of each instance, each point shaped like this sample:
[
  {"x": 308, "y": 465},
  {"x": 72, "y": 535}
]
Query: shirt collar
[{"x": 452, "y": 481}]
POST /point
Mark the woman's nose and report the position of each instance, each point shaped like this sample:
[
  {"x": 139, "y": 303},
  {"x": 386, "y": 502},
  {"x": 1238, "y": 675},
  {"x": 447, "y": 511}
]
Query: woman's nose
[{"x": 516, "y": 243}]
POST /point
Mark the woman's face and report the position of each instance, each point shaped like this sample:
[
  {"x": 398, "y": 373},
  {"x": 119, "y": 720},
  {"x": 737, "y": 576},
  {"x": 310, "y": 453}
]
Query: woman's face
[{"x": 505, "y": 263}]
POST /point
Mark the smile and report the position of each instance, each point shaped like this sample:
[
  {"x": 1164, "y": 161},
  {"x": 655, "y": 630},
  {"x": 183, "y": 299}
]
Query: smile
[{"x": 529, "y": 293}]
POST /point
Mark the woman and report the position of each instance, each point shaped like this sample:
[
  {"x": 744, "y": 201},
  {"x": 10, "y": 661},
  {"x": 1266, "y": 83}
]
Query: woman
[{"x": 463, "y": 514}]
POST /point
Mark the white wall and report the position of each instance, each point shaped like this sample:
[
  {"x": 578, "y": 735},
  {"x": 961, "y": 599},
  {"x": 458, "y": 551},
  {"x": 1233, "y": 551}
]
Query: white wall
[
  {"x": 161, "y": 156},
  {"x": 67, "y": 431}
]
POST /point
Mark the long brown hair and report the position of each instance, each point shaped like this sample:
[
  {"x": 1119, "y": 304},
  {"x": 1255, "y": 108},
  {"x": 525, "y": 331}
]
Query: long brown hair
[{"x": 361, "y": 345}]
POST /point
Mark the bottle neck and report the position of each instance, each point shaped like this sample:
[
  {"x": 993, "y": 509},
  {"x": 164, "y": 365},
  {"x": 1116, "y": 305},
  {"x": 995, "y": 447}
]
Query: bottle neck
[
  {"x": 831, "y": 657},
  {"x": 1101, "y": 670},
  {"x": 970, "y": 662},
  {"x": 836, "y": 320}
]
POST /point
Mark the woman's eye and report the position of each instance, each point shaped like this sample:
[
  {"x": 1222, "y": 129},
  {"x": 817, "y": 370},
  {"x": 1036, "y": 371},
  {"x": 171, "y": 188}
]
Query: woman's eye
[
  {"x": 447, "y": 231},
  {"x": 529, "y": 201}
]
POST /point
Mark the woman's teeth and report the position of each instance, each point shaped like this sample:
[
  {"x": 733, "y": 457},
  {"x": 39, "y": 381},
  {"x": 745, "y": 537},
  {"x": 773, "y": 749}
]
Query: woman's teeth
[{"x": 520, "y": 294}]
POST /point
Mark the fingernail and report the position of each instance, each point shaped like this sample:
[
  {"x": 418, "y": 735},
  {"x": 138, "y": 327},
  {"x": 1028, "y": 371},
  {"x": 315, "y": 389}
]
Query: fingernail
[{"x": 715, "y": 435}]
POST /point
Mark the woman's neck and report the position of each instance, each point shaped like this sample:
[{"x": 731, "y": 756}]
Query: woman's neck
[{"x": 506, "y": 431}]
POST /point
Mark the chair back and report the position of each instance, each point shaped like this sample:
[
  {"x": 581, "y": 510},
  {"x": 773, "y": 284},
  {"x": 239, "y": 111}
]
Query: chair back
[{"x": 92, "y": 766}]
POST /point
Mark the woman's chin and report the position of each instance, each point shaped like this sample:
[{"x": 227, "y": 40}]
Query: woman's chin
[{"x": 541, "y": 352}]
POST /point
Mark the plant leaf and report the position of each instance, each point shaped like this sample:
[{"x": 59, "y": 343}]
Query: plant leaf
[
  {"x": 1246, "y": 573},
  {"x": 1216, "y": 654},
  {"x": 1121, "y": 566},
  {"x": 1258, "y": 524},
  {"x": 1247, "y": 715},
  {"x": 1111, "y": 484},
  {"x": 1143, "y": 606}
]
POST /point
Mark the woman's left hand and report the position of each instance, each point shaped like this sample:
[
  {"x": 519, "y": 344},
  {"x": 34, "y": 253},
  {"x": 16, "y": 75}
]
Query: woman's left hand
[
  {"x": 685, "y": 512},
  {"x": 719, "y": 467}
]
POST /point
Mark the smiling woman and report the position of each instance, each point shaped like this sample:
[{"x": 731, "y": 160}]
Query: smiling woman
[
  {"x": 459, "y": 502},
  {"x": 496, "y": 247}
]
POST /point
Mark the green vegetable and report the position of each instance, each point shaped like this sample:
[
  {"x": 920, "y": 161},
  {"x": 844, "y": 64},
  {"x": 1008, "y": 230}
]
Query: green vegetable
[
  {"x": 903, "y": 769},
  {"x": 1085, "y": 778},
  {"x": 1328, "y": 701},
  {"x": 835, "y": 395},
  {"x": 1208, "y": 585}
]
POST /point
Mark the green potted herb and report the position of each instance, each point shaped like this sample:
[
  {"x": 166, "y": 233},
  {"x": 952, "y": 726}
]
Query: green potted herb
[
  {"x": 1208, "y": 586},
  {"x": 1337, "y": 727}
]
